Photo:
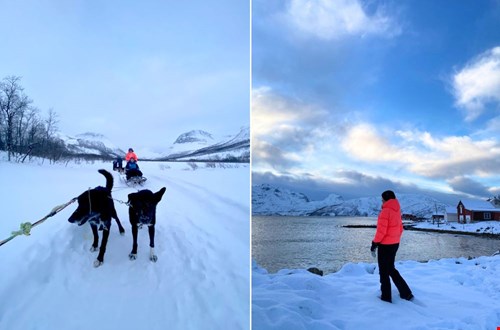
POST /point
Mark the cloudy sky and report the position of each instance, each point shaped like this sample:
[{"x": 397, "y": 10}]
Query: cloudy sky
[
  {"x": 139, "y": 72},
  {"x": 355, "y": 97}
]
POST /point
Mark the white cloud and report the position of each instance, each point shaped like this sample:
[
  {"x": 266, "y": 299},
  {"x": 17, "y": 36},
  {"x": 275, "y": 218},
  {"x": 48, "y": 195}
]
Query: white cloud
[
  {"x": 478, "y": 83},
  {"x": 493, "y": 125},
  {"x": 289, "y": 132},
  {"x": 423, "y": 154},
  {"x": 456, "y": 156},
  {"x": 364, "y": 142},
  {"x": 274, "y": 115},
  {"x": 290, "y": 135},
  {"x": 326, "y": 19}
]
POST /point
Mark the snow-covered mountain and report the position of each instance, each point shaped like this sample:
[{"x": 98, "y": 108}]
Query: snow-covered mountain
[
  {"x": 91, "y": 144},
  {"x": 270, "y": 200},
  {"x": 194, "y": 136},
  {"x": 201, "y": 145},
  {"x": 192, "y": 145}
]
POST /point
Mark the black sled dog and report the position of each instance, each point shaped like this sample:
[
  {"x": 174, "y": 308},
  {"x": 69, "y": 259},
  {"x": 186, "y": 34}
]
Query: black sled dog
[
  {"x": 142, "y": 212},
  {"x": 96, "y": 206}
]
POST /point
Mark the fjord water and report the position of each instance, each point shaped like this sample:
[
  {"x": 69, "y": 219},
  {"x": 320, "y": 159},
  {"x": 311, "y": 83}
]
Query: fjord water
[{"x": 282, "y": 242}]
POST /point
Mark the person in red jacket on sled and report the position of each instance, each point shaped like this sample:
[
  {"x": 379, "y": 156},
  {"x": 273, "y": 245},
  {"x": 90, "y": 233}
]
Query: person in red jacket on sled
[
  {"x": 131, "y": 155},
  {"x": 132, "y": 168}
]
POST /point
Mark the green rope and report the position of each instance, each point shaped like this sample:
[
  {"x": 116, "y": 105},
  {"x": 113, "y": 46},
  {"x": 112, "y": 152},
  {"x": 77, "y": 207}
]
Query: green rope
[{"x": 25, "y": 229}]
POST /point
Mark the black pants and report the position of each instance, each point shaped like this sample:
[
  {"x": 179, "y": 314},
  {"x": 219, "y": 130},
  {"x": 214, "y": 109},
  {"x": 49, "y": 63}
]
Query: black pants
[
  {"x": 387, "y": 270},
  {"x": 133, "y": 172}
]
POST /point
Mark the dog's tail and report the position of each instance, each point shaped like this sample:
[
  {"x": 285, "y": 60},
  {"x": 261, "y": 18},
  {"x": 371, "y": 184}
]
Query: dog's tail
[{"x": 109, "y": 179}]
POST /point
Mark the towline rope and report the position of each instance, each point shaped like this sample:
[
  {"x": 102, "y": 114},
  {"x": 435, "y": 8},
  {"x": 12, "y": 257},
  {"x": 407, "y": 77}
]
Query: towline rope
[
  {"x": 25, "y": 227},
  {"x": 121, "y": 202}
]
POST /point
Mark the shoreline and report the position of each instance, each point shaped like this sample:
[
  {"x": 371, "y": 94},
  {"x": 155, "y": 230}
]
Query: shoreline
[{"x": 445, "y": 231}]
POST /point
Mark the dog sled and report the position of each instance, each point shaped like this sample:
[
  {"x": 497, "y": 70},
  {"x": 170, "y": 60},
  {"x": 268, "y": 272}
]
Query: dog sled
[
  {"x": 133, "y": 175},
  {"x": 135, "y": 181}
]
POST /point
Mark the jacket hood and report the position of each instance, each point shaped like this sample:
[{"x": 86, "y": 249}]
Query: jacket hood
[{"x": 392, "y": 204}]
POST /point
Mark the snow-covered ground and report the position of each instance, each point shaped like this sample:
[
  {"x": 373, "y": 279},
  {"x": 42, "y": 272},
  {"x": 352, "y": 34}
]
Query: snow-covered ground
[
  {"x": 201, "y": 279},
  {"x": 449, "y": 294},
  {"x": 482, "y": 227},
  {"x": 453, "y": 293}
]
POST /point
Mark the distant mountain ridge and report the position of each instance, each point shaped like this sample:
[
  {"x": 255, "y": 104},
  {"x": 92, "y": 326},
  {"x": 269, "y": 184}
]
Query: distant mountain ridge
[
  {"x": 194, "y": 136},
  {"x": 195, "y": 145},
  {"x": 90, "y": 144},
  {"x": 272, "y": 200}
]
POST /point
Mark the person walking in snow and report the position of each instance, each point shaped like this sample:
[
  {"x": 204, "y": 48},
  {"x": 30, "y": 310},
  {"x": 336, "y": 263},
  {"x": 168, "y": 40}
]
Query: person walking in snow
[
  {"x": 131, "y": 155},
  {"x": 386, "y": 240}
]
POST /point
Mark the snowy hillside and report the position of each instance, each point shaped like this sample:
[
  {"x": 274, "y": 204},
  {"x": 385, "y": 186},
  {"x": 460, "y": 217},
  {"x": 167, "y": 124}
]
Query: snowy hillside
[
  {"x": 194, "y": 136},
  {"x": 201, "y": 145},
  {"x": 192, "y": 145},
  {"x": 269, "y": 200},
  {"x": 91, "y": 144},
  {"x": 190, "y": 141},
  {"x": 200, "y": 281}
]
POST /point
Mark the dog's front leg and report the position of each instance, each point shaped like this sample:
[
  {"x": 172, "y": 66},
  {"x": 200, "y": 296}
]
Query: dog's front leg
[
  {"x": 152, "y": 256},
  {"x": 120, "y": 227},
  {"x": 102, "y": 250},
  {"x": 133, "y": 253},
  {"x": 95, "y": 233}
]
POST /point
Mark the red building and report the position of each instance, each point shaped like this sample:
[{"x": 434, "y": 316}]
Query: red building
[{"x": 473, "y": 210}]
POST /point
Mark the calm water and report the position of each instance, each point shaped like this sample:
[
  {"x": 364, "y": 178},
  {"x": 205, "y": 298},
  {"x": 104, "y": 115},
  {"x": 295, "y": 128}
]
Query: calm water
[{"x": 303, "y": 242}]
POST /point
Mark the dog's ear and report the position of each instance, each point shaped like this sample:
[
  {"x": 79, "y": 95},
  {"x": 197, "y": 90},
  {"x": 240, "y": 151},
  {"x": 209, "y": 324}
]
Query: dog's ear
[
  {"x": 159, "y": 194},
  {"x": 132, "y": 197}
]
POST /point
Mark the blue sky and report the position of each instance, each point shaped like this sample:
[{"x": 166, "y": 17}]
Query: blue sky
[
  {"x": 139, "y": 72},
  {"x": 355, "y": 97}
]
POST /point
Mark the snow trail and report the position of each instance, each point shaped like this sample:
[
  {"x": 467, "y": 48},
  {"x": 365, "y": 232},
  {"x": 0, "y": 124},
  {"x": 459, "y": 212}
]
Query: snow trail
[{"x": 201, "y": 279}]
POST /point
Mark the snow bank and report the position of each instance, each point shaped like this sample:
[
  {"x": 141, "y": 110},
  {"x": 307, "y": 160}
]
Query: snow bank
[
  {"x": 450, "y": 294},
  {"x": 482, "y": 227}
]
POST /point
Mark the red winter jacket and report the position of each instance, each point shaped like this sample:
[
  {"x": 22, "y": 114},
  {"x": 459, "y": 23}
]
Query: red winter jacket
[
  {"x": 389, "y": 223},
  {"x": 131, "y": 155}
]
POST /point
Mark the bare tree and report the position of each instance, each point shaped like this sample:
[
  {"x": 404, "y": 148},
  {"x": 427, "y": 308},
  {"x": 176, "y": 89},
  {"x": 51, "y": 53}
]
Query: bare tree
[
  {"x": 25, "y": 121},
  {"x": 51, "y": 123},
  {"x": 51, "y": 145},
  {"x": 13, "y": 104},
  {"x": 30, "y": 133},
  {"x": 2, "y": 128},
  {"x": 193, "y": 165}
]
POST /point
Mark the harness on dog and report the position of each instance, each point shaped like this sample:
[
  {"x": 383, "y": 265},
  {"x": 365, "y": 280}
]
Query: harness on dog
[
  {"x": 101, "y": 225},
  {"x": 145, "y": 213},
  {"x": 144, "y": 221},
  {"x": 94, "y": 218}
]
